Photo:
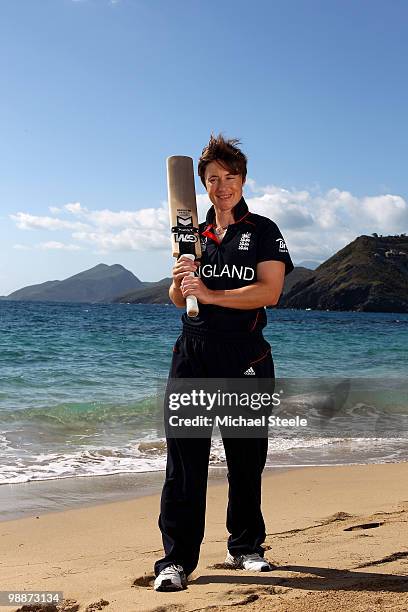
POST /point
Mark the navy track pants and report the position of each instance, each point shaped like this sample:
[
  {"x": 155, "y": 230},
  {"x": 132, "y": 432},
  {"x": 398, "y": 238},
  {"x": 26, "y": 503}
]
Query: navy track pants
[{"x": 183, "y": 500}]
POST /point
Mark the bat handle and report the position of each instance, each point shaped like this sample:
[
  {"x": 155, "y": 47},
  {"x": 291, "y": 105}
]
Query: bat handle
[{"x": 191, "y": 300}]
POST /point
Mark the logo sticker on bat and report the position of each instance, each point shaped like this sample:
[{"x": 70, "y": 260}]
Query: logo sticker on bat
[
  {"x": 185, "y": 237},
  {"x": 185, "y": 220},
  {"x": 184, "y": 230}
]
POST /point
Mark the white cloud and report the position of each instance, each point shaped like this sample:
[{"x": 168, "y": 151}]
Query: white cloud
[
  {"x": 25, "y": 221},
  {"x": 284, "y": 211},
  {"x": 48, "y": 246},
  {"x": 314, "y": 224},
  {"x": 75, "y": 208},
  {"x": 146, "y": 218},
  {"x": 203, "y": 204},
  {"x": 388, "y": 211},
  {"x": 21, "y": 247},
  {"x": 131, "y": 239},
  {"x": 59, "y": 246}
]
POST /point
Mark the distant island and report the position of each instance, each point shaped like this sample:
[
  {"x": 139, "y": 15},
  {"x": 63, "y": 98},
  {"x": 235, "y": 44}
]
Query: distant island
[
  {"x": 102, "y": 283},
  {"x": 369, "y": 274}
]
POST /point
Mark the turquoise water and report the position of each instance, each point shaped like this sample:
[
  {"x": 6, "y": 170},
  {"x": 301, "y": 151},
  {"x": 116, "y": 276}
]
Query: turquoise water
[{"x": 78, "y": 381}]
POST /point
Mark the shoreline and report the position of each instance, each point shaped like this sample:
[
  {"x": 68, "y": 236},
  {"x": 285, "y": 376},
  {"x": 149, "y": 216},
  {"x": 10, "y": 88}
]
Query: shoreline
[
  {"x": 334, "y": 535},
  {"x": 41, "y": 497},
  {"x": 29, "y": 499}
]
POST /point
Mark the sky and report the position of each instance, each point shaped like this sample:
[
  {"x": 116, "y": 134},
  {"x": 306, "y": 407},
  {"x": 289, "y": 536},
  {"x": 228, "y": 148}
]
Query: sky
[{"x": 95, "y": 94}]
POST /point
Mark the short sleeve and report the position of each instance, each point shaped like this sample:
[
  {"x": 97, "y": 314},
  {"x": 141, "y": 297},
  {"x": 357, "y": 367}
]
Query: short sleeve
[{"x": 271, "y": 246}]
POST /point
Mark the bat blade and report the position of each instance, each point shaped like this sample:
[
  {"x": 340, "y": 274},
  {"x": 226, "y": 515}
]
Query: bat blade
[
  {"x": 183, "y": 206},
  {"x": 183, "y": 214}
]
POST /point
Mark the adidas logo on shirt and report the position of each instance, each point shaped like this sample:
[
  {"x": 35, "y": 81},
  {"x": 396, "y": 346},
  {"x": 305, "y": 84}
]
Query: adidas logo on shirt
[{"x": 250, "y": 371}]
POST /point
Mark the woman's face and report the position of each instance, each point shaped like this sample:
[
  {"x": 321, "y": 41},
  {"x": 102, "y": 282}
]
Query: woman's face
[{"x": 224, "y": 188}]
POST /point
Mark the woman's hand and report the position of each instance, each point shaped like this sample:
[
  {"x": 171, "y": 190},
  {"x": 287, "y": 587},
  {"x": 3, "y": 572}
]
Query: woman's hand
[
  {"x": 182, "y": 268},
  {"x": 193, "y": 285}
]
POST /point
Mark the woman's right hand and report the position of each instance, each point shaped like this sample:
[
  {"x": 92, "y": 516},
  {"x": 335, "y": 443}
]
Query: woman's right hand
[{"x": 183, "y": 267}]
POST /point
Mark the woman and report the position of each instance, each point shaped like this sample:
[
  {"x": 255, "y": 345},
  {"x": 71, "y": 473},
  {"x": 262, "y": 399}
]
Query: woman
[{"x": 242, "y": 270}]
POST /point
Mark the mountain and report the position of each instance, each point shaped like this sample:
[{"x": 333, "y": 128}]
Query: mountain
[
  {"x": 153, "y": 293},
  {"x": 158, "y": 293},
  {"x": 309, "y": 264},
  {"x": 369, "y": 274},
  {"x": 30, "y": 292},
  {"x": 99, "y": 284},
  {"x": 298, "y": 274}
]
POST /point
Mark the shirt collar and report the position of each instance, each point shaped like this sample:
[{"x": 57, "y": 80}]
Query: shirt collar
[{"x": 240, "y": 211}]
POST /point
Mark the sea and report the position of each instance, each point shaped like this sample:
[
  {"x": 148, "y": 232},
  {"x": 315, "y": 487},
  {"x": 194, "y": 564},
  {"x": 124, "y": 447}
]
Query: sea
[{"x": 79, "y": 388}]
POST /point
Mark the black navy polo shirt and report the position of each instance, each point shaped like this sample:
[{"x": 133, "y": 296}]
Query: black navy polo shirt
[{"x": 231, "y": 264}]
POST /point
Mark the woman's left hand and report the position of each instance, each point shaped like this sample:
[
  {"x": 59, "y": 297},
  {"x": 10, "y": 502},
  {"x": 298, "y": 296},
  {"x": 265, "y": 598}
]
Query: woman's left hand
[{"x": 193, "y": 285}]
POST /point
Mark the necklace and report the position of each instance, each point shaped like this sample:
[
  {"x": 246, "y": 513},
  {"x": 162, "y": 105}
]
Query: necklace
[{"x": 221, "y": 230}]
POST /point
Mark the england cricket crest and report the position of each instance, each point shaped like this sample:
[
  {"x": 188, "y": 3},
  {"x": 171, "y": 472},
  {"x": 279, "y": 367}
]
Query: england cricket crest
[{"x": 244, "y": 241}]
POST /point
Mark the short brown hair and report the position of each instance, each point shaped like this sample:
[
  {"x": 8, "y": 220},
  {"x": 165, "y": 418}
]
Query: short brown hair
[{"x": 226, "y": 153}]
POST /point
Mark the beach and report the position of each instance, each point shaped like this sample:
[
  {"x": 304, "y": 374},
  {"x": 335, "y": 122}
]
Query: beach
[
  {"x": 336, "y": 536},
  {"x": 83, "y": 457}
]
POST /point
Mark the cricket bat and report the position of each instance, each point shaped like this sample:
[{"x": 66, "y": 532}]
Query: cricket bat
[{"x": 183, "y": 215}]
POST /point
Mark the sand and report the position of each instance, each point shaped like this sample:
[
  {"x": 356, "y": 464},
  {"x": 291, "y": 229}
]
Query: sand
[{"x": 337, "y": 536}]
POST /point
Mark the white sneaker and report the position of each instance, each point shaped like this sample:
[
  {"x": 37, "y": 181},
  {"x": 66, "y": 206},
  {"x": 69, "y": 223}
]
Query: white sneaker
[
  {"x": 252, "y": 562},
  {"x": 171, "y": 578}
]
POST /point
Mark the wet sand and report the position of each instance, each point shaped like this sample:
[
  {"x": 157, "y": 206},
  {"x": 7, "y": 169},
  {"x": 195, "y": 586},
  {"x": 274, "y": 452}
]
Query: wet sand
[{"x": 337, "y": 537}]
